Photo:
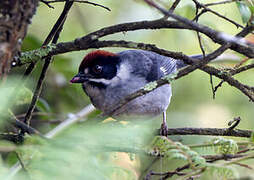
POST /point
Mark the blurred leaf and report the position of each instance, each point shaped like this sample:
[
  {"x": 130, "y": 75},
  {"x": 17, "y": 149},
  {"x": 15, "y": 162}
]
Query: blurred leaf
[
  {"x": 3, "y": 169},
  {"x": 43, "y": 105},
  {"x": 80, "y": 149},
  {"x": 11, "y": 94},
  {"x": 244, "y": 11},
  {"x": 24, "y": 96},
  {"x": 250, "y": 4},
  {"x": 30, "y": 42},
  {"x": 252, "y": 137},
  {"x": 224, "y": 146}
]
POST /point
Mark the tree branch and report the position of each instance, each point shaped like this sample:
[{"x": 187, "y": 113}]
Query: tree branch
[
  {"x": 209, "y": 132},
  {"x": 84, "y": 42}
]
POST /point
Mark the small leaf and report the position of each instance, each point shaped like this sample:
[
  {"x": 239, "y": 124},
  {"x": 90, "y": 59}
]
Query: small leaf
[
  {"x": 43, "y": 105},
  {"x": 244, "y": 11},
  {"x": 24, "y": 96},
  {"x": 252, "y": 137},
  {"x": 250, "y": 4}
]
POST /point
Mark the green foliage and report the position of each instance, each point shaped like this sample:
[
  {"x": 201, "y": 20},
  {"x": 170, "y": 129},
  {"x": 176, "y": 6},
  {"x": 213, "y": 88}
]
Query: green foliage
[
  {"x": 24, "y": 96},
  {"x": 246, "y": 9},
  {"x": 88, "y": 150},
  {"x": 224, "y": 146},
  {"x": 3, "y": 169},
  {"x": 165, "y": 148},
  {"x": 220, "y": 172},
  {"x": 43, "y": 105},
  {"x": 162, "y": 146},
  {"x": 252, "y": 137},
  {"x": 84, "y": 152}
]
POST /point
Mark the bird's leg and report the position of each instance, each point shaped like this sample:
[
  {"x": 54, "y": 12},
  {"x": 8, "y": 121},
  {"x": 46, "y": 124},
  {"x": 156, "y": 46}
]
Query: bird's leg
[{"x": 164, "y": 126}]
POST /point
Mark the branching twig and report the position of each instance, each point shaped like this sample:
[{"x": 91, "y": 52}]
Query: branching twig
[
  {"x": 217, "y": 14},
  {"x": 55, "y": 31},
  {"x": 24, "y": 127},
  {"x": 224, "y": 38},
  {"x": 47, "y": 3},
  {"x": 213, "y": 158},
  {"x": 84, "y": 43}
]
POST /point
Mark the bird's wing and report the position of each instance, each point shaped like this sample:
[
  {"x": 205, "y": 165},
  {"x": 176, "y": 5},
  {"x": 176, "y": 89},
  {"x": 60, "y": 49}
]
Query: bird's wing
[{"x": 161, "y": 66}]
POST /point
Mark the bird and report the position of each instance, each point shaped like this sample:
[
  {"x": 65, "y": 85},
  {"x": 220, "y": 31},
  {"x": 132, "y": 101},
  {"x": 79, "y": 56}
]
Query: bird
[{"x": 107, "y": 78}]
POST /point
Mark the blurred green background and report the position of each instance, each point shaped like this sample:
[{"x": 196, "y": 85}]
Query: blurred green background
[{"x": 191, "y": 105}]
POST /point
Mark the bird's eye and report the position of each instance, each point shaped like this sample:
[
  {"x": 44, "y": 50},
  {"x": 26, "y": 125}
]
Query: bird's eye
[{"x": 97, "y": 69}]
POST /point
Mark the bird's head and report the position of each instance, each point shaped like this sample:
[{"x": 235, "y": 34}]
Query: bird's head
[{"x": 98, "y": 68}]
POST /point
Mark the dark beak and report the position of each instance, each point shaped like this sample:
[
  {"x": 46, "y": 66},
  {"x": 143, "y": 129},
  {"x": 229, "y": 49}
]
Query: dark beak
[{"x": 79, "y": 78}]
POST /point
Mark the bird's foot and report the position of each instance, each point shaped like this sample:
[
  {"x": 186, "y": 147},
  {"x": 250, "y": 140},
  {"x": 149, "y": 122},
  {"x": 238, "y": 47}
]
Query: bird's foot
[{"x": 164, "y": 129}]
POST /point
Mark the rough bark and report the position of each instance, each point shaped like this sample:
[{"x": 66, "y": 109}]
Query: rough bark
[{"x": 15, "y": 15}]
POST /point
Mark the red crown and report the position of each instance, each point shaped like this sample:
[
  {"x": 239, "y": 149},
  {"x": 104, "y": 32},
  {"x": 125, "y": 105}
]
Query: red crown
[{"x": 88, "y": 59}]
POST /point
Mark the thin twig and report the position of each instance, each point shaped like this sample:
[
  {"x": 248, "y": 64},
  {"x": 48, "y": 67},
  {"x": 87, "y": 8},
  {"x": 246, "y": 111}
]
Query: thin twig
[
  {"x": 243, "y": 158},
  {"x": 209, "y": 132},
  {"x": 234, "y": 72},
  {"x": 174, "y": 5},
  {"x": 55, "y": 31},
  {"x": 235, "y": 123},
  {"x": 47, "y": 4},
  {"x": 66, "y": 123},
  {"x": 220, "y": 2},
  {"x": 50, "y": 36},
  {"x": 198, "y": 27},
  {"x": 212, "y": 86},
  {"x": 23, "y": 166},
  {"x": 25, "y": 128},
  {"x": 244, "y": 165},
  {"x": 166, "y": 174},
  {"x": 200, "y": 43},
  {"x": 217, "y": 14},
  {"x": 36, "y": 92},
  {"x": 80, "y": 1},
  {"x": 213, "y": 158}
]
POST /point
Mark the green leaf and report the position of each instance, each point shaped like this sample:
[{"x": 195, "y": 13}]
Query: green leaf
[
  {"x": 250, "y": 4},
  {"x": 24, "y": 96},
  {"x": 252, "y": 137},
  {"x": 224, "y": 146},
  {"x": 43, "y": 105},
  {"x": 244, "y": 11}
]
